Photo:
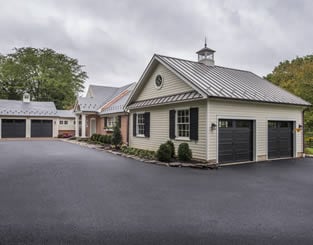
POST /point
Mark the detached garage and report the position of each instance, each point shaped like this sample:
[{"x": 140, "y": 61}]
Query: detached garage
[
  {"x": 242, "y": 117},
  {"x": 27, "y": 119}
]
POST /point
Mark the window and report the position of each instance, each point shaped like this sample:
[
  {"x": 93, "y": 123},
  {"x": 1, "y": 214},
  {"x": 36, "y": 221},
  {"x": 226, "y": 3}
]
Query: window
[
  {"x": 225, "y": 123},
  {"x": 183, "y": 123},
  {"x": 243, "y": 124},
  {"x": 140, "y": 124},
  {"x": 111, "y": 122},
  {"x": 65, "y": 122},
  {"x": 61, "y": 122}
]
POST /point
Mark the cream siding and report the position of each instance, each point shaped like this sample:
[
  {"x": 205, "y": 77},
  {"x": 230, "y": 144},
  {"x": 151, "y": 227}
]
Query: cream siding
[
  {"x": 159, "y": 129},
  {"x": 254, "y": 111},
  {"x": 171, "y": 85}
]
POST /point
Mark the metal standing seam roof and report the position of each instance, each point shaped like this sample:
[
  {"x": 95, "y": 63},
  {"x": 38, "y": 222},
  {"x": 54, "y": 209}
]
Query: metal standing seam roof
[
  {"x": 181, "y": 97},
  {"x": 222, "y": 82},
  {"x": 33, "y": 108}
]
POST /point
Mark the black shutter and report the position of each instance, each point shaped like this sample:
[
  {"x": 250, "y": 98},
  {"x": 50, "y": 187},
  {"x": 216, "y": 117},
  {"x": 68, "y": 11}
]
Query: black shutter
[
  {"x": 134, "y": 123},
  {"x": 119, "y": 121},
  {"x": 172, "y": 124},
  {"x": 194, "y": 121},
  {"x": 147, "y": 124},
  {"x": 105, "y": 122}
]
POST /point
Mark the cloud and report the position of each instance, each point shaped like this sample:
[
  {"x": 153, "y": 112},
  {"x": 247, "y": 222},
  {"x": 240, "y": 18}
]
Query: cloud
[{"x": 116, "y": 39}]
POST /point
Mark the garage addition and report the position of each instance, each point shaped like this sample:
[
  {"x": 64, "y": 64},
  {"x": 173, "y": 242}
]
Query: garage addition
[
  {"x": 28, "y": 119},
  {"x": 240, "y": 117}
]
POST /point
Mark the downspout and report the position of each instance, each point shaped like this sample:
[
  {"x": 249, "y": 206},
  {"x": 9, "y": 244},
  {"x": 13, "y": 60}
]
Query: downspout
[
  {"x": 303, "y": 140},
  {"x": 128, "y": 128}
]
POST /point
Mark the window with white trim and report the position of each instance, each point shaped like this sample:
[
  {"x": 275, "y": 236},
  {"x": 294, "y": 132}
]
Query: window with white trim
[
  {"x": 65, "y": 122},
  {"x": 111, "y": 122},
  {"x": 61, "y": 122},
  {"x": 183, "y": 123},
  {"x": 140, "y": 124}
]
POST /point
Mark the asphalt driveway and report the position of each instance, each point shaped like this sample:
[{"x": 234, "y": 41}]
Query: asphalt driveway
[{"x": 53, "y": 192}]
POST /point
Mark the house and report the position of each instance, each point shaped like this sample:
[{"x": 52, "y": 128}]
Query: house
[
  {"x": 100, "y": 110},
  {"x": 28, "y": 119},
  {"x": 225, "y": 115}
]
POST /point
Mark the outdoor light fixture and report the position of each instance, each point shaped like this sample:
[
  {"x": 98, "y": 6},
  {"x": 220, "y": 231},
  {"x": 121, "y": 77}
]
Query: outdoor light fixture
[
  {"x": 300, "y": 126},
  {"x": 213, "y": 126}
]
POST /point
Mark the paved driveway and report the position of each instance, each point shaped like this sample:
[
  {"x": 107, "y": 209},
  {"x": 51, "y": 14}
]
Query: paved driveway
[{"x": 54, "y": 192}]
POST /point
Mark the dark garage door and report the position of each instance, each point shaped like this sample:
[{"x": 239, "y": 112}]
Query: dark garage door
[
  {"x": 235, "y": 141},
  {"x": 280, "y": 139},
  {"x": 41, "y": 128},
  {"x": 13, "y": 128}
]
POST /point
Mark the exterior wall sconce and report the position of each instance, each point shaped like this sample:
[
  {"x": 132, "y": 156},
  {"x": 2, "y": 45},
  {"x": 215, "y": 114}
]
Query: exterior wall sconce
[
  {"x": 213, "y": 126},
  {"x": 298, "y": 129}
]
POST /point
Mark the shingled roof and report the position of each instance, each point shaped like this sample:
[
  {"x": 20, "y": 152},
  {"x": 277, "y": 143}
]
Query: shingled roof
[
  {"x": 33, "y": 108},
  {"x": 100, "y": 95}
]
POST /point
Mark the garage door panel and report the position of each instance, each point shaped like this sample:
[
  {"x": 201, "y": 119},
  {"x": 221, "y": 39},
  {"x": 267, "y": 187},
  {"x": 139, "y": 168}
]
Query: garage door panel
[
  {"x": 13, "y": 128},
  {"x": 235, "y": 140},
  {"x": 280, "y": 139},
  {"x": 41, "y": 128}
]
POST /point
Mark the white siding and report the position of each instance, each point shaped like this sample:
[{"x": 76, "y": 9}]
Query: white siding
[
  {"x": 261, "y": 113},
  {"x": 159, "y": 129},
  {"x": 171, "y": 85}
]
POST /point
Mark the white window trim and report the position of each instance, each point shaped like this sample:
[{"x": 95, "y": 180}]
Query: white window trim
[
  {"x": 61, "y": 122},
  {"x": 112, "y": 121},
  {"x": 176, "y": 124},
  {"x": 137, "y": 129}
]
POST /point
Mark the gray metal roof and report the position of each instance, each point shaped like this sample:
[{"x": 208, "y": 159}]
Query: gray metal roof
[
  {"x": 182, "y": 97},
  {"x": 101, "y": 96},
  {"x": 66, "y": 113},
  {"x": 33, "y": 108},
  {"x": 222, "y": 82}
]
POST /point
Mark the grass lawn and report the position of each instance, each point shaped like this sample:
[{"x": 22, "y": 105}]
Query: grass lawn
[{"x": 308, "y": 150}]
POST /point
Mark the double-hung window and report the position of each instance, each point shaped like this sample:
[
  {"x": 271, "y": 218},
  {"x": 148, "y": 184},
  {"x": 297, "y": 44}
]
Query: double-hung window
[
  {"x": 110, "y": 122},
  {"x": 140, "y": 124},
  {"x": 61, "y": 122},
  {"x": 183, "y": 123}
]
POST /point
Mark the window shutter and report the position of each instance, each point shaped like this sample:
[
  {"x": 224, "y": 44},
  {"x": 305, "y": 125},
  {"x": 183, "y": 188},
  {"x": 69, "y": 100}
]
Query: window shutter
[
  {"x": 119, "y": 121},
  {"x": 172, "y": 124},
  {"x": 147, "y": 124},
  {"x": 134, "y": 124},
  {"x": 194, "y": 123},
  {"x": 105, "y": 122}
]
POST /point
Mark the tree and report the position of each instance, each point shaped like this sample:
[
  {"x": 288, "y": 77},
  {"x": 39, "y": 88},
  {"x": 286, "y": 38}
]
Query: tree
[
  {"x": 44, "y": 74},
  {"x": 296, "y": 76},
  {"x": 116, "y": 136}
]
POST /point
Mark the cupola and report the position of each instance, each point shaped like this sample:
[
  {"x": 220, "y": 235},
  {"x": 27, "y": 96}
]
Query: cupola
[
  {"x": 206, "y": 55},
  {"x": 26, "y": 98}
]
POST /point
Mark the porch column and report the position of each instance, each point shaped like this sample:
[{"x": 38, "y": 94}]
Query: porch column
[
  {"x": 0, "y": 127},
  {"x": 28, "y": 128},
  {"x": 76, "y": 125},
  {"x": 83, "y": 126}
]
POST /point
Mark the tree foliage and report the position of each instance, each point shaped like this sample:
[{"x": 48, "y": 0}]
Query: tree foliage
[
  {"x": 43, "y": 73},
  {"x": 296, "y": 76}
]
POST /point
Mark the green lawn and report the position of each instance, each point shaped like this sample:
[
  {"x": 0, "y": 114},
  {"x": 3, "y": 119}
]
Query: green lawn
[{"x": 308, "y": 150}]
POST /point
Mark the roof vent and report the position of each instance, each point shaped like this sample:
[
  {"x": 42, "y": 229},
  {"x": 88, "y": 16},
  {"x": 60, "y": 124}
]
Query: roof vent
[
  {"x": 26, "y": 98},
  {"x": 206, "y": 55}
]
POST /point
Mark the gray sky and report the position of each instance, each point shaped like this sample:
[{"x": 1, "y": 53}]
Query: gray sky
[{"x": 116, "y": 39}]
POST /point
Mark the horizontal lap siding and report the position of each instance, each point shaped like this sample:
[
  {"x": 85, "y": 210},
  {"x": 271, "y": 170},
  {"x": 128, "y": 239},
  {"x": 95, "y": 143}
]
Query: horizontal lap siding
[
  {"x": 159, "y": 129},
  {"x": 254, "y": 111},
  {"x": 171, "y": 85}
]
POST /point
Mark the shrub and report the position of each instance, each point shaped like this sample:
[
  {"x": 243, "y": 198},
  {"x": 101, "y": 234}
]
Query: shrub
[
  {"x": 184, "y": 153},
  {"x": 172, "y": 147},
  {"x": 93, "y": 137},
  {"x": 109, "y": 139},
  {"x": 164, "y": 153},
  {"x": 116, "y": 136},
  {"x": 102, "y": 139}
]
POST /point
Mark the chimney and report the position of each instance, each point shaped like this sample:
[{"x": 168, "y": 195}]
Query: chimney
[{"x": 26, "y": 98}]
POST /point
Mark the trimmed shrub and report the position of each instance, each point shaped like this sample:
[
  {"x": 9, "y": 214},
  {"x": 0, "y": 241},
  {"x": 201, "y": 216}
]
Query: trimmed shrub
[
  {"x": 116, "y": 136},
  {"x": 184, "y": 153},
  {"x": 172, "y": 147},
  {"x": 164, "y": 153}
]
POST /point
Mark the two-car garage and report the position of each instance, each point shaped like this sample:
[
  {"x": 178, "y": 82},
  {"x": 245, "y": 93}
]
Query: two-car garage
[
  {"x": 17, "y": 128},
  {"x": 237, "y": 140}
]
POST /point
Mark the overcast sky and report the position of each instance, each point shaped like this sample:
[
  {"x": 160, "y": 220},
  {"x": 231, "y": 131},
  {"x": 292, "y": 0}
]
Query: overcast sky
[{"x": 116, "y": 39}]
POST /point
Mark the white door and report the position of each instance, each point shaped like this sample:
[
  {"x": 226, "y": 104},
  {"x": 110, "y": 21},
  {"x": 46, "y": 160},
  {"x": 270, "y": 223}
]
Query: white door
[{"x": 93, "y": 126}]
